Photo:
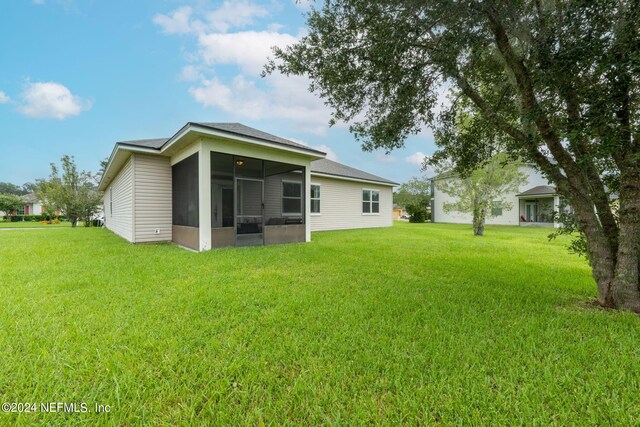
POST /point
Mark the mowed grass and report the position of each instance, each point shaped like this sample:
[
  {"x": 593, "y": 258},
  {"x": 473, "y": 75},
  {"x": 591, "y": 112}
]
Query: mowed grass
[
  {"x": 33, "y": 224},
  {"x": 414, "y": 324}
]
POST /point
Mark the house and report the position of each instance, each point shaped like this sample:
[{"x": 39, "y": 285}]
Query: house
[
  {"x": 398, "y": 212},
  {"x": 532, "y": 205},
  {"x": 31, "y": 206},
  {"x": 214, "y": 185}
]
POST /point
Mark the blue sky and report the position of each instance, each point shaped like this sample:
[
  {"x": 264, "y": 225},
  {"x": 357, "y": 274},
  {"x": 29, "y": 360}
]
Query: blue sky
[{"x": 78, "y": 75}]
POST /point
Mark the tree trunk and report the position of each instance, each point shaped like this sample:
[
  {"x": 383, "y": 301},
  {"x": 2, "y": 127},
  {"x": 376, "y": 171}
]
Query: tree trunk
[
  {"x": 626, "y": 284},
  {"x": 74, "y": 220},
  {"x": 478, "y": 220},
  {"x": 616, "y": 269}
]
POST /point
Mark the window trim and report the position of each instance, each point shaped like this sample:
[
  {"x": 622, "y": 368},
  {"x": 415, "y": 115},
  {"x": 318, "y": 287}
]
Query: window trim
[
  {"x": 370, "y": 201},
  {"x": 282, "y": 197},
  {"x": 315, "y": 198}
]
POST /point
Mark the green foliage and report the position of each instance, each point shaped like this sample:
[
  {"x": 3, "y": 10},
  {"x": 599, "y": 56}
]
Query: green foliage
[
  {"x": 418, "y": 213},
  {"x": 554, "y": 83},
  {"x": 32, "y": 218},
  {"x": 73, "y": 192},
  {"x": 9, "y": 188},
  {"x": 415, "y": 191},
  {"x": 408, "y": 325},
  {"x": 483, "y": 189},
  {"x": 568, "y": 227},
  {"x": 10, "y": 203}
]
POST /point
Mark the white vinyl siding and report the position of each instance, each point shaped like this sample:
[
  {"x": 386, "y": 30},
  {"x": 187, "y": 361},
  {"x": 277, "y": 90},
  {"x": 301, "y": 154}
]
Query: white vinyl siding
[
  {"x": 119, "y": 203},
  {"x": 342, "y": 205},
  {"x": 152, "y": 198}
]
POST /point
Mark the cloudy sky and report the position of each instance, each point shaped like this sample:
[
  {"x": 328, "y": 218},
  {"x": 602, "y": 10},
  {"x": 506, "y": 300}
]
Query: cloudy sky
[{"x": 78, "y": 75}]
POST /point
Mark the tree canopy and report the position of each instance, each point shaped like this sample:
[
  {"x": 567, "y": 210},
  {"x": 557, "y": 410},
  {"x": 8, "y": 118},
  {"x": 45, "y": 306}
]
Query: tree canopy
[
  {"x": 417, "y": 190},
  {"x": 481, "y": 192},
  {"x": 73, "y": 192},
  {"x": 10, "y": 203},
  {"x": 557, "y": 82}
]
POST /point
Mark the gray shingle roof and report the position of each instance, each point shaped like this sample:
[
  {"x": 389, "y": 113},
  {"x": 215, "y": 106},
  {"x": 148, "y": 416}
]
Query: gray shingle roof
[
  {"x": 323, "y": 166},
  {"x": 540, "y": 190},
  {"x": 30, "y": 198},
  {"x": 242, "y": 130},
  {"x": 330, "y": 167},
  {"x": 232, "y": 128},
  {"x": 147, "y": 143}
]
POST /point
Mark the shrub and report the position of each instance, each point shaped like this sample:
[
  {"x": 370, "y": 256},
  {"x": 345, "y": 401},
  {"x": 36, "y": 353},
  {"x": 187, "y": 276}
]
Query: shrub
[{"x": 418, "y": 213}]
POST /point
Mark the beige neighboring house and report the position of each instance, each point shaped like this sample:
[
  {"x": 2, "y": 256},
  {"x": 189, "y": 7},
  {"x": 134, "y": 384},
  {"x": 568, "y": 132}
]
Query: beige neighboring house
[
  {"x": 532, "y": 205},
  {"x": 215, "y": 185}
]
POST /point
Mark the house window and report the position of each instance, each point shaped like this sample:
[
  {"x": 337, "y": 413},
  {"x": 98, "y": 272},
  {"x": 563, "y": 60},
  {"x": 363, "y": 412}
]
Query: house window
[
  {"x": 370, "y": 202},
  {"x": 291, "y": 198},
  {"x": 20, "y": 211},
  {"x": 111, "y": 201},
  {"x": 496, "y": 208},
  {"x": 315, "y": 199}
]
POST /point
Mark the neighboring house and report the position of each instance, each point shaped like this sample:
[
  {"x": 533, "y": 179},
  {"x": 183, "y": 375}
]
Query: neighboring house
[
  {"x": 32, "y": 206},
  {"x": 398, "y": 212},
  {"x": 213, "y": 185},
  {"x": 532, "y": 205}
]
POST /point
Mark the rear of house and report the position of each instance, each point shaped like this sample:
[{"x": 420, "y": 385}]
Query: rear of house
[
  {"x": 225, "y": 184},
  {"x": 532, "y": 205}
]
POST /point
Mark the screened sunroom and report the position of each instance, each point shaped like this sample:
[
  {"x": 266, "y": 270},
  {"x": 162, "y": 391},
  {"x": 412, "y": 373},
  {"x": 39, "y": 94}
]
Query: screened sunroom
[{"x": 253, "y": 201}]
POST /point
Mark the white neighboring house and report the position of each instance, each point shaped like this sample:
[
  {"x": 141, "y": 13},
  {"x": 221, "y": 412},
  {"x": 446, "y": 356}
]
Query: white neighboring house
[
  {"x": 31, "y": 206},
  {"x": 214, "y": 185},
  {"x": 532, "y": 205}
]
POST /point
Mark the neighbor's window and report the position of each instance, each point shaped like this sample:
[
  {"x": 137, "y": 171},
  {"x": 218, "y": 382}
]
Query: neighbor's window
[
  {"x": 20, "y": 211},
  {"x": 496, "y": 208},
  {"x": 370, "y": 202},
  {"x": 315, "y": 198},
  {"x": 291, "y": 198}
]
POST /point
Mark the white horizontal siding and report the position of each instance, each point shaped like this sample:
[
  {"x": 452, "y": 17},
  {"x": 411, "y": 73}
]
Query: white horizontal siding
[
  {"x": 341, "y": 205},
  {"x": 152, "y": 198},
  {"x": 118, "y": 202}
]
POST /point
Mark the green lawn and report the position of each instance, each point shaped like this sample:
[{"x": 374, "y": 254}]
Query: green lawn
[
  {"x": 415, "y": 324},
  {"x": 32, "y": 224}
]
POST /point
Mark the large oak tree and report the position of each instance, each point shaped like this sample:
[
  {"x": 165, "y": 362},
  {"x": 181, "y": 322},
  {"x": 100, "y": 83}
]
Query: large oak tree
[{"x": 559, "y": 80}]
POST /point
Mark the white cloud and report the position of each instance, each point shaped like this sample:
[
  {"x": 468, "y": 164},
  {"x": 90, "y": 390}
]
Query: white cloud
[
  {"x": 384, "y": 158},
  {"x": 224, "y": 67},
  {"x": 51, "y": 100},
  {"x": 247, "y": 49},
  {"x": 191, "y": 73},
  {"x": 4, "y": 98},
  {"x": 416, "y": 158},
  {"x": 331, "y": 155},
  {"x": 229, "y": 15},
  {"x": 177, "y": 22},
  {"x": 281, "y": 99},
  {"x": 235, "y": 14}
]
